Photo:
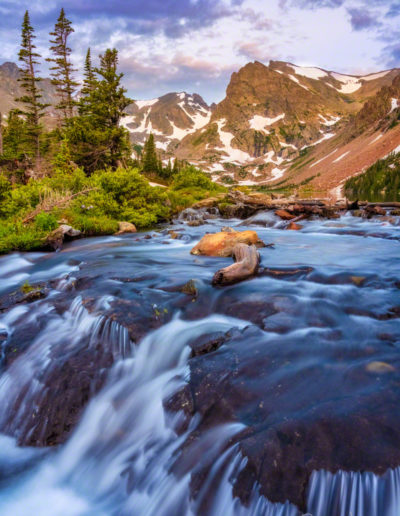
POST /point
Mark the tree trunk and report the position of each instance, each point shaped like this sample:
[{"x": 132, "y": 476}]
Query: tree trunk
[{"x": 246, "y": 264}]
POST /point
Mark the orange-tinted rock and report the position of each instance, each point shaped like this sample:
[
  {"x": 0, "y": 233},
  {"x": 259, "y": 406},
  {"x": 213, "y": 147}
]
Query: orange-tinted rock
[
  {"x": 125, "y": 227},
  {"x": 222, "y": 244},
  {"x": 284, "y": 215},
  {"x": 294, "y": 227}
]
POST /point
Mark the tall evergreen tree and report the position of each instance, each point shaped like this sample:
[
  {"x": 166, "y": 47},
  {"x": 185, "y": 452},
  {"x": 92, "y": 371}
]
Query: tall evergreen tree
[
  {"x": 29, "y": 80},
  {"x": 150, "y": 160},
  {"x": 62, "y": 71},
  {"x": 89, "y": 81},
  {"x": 175, "y": 168},
  {"x": 99, "y": 139}
]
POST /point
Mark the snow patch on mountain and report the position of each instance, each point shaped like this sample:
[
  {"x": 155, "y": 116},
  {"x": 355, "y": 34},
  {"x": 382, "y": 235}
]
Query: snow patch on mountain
[
  {"x": 309, "y": 72},
  {"x": 145, "y": 103},
  {"x": 350, "y": 83},
  {"x": 295, "y": 79},
  {"x": 395, "y": 105},
  {"x": 341, "y": 157},
  {"x": 226, "y": 140},
  {"x": 373, "y": 76},
  {"x": 334, "y": 120},
  {"x": 259, "y": 122}
]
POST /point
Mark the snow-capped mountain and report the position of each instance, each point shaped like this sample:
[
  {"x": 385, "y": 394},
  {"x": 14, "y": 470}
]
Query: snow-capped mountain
[
  {"x": 272, "y": 115},
  {"x": 170, "y": 118}
]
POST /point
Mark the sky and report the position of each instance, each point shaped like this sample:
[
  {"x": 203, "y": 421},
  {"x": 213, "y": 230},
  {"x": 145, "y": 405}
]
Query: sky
[{"x": 195, "y": 45}]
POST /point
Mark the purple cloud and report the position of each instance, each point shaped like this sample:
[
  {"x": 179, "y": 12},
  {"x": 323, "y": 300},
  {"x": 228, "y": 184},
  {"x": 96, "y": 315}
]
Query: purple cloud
[{"x": 361, "y": 19}]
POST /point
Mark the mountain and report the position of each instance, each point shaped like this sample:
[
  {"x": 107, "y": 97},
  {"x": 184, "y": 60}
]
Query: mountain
[
  {"x": 170, "y": 118},
  {"x": 271, "y": 114},
  {"x": 10, "y": 89},
  {"x": 280, "y": 124},
  {"x": 372, "y": 134}
]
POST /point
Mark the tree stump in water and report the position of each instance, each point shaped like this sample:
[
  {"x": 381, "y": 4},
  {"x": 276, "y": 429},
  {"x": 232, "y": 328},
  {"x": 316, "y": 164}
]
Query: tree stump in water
[{"x": 246, "y": 264}]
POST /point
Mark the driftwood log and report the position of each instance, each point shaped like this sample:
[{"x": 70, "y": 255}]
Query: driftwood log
[{"x": 247, "y": 260}]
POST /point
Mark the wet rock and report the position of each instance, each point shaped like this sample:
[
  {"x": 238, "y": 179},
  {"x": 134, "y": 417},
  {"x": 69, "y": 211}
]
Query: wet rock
[
  {"x": 379, "y": 368},
  {"x": 374, "y": 210},
  {"x": 353, "y": 206},
  {"x": 284, "y": 215},
  {"x": 190, "y": 288},
  {"x": 222, "y": 244},
  {"x": 294, "y": 227},
  {"x": 196, "y": 223},
  {"x": 26, "y": 294},
  {"x": 208, "y": 343},
  {"x": 291, "y": 429},
  {"x": 227, "y": 229},
  {"x": 56, "y": 238},
  {"x": 395, "y": 213},
  {"x": 173, "y": 234},
  {"x": 126, "y": 228}
]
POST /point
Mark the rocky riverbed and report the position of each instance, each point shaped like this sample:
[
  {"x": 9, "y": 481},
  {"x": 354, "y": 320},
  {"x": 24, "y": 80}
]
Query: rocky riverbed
[{"x": 131, "y": 385}]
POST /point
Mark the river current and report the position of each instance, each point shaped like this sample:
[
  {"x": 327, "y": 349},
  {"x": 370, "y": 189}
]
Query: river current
[{"x": 125, "y": 393}]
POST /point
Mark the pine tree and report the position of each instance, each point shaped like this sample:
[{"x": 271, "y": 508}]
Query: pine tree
[
  {"x": 62, "y": 71},
  {"x": 96, "y": 136},
  {"x": 34, "y": 110},
  {"x": 175, "y": 168},
  {"x": 89, "y": 81},
  {"x": 150, "y": 160}
]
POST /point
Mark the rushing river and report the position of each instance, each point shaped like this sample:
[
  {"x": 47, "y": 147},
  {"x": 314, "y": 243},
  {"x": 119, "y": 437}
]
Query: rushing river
[{"x": 123, "y": 393}]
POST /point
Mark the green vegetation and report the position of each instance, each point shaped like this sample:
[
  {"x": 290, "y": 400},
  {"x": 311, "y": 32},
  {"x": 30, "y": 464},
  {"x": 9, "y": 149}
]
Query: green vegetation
[
  {"x": 93, "y": 204},
  {"x": 381, "y": 182},
  {"x": 81, "y": 173}
]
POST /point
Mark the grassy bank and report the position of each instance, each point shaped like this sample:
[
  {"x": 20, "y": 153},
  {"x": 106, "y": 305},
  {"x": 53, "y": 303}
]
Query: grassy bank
[{"x": 93, "y": 204}]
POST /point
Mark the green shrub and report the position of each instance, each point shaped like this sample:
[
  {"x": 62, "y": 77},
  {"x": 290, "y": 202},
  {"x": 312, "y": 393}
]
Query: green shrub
[
  {"x": 93, "y": 226},
  {"x": 17, "y": 237},
  {"x": 45, "y": 221}
]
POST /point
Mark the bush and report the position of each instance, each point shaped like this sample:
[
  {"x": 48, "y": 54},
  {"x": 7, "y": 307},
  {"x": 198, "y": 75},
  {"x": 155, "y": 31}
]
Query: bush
[
  {"x": 94, "y": 226},
  {"x": 45, "y": 221},
  {"x": 17, "y": 237},
  {"x": 191, "y": 177}
]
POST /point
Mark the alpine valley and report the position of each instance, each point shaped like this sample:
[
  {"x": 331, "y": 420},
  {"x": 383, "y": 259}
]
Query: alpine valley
[{"x": 279, "y": 124}]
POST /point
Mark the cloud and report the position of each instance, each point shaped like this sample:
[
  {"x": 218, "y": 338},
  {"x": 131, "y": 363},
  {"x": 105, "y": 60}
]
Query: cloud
[
  {"x": 361, "y": 18},
  {"x": 311, "y": 4},
  {"x": 171, "y": 17}
]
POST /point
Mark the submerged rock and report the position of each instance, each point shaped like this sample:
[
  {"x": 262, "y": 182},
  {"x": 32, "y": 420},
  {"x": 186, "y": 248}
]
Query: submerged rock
[{"x": 223, "y": 243}]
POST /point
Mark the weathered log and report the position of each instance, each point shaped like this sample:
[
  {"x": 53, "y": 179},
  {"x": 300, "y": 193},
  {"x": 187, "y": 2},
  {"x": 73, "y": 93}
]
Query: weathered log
[{"x": 247, "y": 260}]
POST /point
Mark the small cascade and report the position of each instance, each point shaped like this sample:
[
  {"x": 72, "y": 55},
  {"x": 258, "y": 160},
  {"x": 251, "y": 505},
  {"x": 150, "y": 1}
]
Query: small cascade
[
  {"x": 124, "y": 458},
  {"x": 358, "y": 494},
  {"x": 29, "y": 383}
]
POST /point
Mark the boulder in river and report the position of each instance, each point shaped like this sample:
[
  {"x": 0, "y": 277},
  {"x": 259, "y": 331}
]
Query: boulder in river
[
  {"x": 126, "y": 227},
  {"x": 223, "y": 243}
]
